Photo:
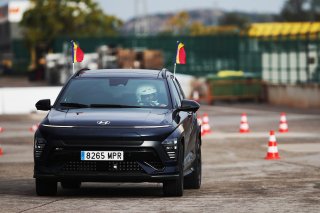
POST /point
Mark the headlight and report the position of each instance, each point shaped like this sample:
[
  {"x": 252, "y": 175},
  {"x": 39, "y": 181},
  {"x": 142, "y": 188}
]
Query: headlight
[
  {"x": 39, "y": 144},
  {"x": 170, "y": 145}
]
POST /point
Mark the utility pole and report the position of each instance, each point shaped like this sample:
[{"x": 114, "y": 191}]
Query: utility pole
[
  {"x": 215, "y": 11},
  {"x": 141, "y": 26}
]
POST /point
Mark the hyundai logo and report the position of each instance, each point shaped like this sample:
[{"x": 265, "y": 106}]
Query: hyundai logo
[{"x": 103, "y": 122}]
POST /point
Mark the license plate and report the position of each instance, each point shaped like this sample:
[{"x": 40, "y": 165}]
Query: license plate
[{"x": 102, "y": 155}]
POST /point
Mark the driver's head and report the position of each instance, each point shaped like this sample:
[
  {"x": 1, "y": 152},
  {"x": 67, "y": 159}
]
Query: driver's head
[{"x": 147, "y": 94}]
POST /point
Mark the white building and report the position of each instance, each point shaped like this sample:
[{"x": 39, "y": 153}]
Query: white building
[{"x": 11, "y": 14}]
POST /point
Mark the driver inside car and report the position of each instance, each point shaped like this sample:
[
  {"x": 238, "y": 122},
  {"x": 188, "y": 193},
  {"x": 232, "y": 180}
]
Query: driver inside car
[{"x": 147, "y": 95}]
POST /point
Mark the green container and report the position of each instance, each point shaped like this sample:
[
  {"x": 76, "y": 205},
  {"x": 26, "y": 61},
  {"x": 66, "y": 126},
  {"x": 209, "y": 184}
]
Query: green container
[{"x": 248, "y": 86}]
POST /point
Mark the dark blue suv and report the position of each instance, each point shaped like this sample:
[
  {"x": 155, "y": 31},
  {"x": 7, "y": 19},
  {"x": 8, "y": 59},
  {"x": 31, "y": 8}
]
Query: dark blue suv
[{"x": 122, "y": 126}]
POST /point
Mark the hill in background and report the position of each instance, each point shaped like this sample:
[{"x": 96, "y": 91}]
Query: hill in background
[{"x": 154, "y": 24}]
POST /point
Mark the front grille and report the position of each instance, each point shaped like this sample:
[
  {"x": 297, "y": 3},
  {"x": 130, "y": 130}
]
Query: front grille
[
  {"x": 78, "y": 166},
  {"x": 105, "y": 166},
  {"x": 108, "y": 166}
]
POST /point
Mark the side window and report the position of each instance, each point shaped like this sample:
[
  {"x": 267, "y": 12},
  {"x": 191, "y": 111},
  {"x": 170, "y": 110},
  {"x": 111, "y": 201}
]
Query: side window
[
  {"x": 181, "y": 93},
  {"x": 174, "y": 93}
]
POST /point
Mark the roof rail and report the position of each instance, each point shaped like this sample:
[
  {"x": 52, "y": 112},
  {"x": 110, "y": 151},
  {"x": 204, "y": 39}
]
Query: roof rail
[
  {"x": 79, "y": 72},
  {"x": 164, "y": 72}
]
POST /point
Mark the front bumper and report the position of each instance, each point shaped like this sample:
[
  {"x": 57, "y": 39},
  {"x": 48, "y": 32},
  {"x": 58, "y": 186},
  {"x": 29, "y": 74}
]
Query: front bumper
[
  {"x": 110, "y": 177},
  {"x": 146, "y": 162}
]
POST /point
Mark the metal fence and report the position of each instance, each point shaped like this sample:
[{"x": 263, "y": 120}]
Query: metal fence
[{"x": 283, "y": 60}]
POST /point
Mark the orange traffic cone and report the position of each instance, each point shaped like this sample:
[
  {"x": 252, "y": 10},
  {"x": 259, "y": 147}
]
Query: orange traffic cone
[
  {"x": 200, "y": 123},
  {"x": 283, "y": 125},
  {"x": 34, "y": 127},
  {"x": 1, "y": 151},
  {"x": 272, "y": 148},
  {"x": 206, "y": 125},
  {"x": 244, "y": 126}
]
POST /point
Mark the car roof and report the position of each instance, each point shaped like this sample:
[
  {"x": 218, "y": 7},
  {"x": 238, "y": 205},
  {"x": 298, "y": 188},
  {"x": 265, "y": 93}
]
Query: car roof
[{"x": 144, "y": 73}]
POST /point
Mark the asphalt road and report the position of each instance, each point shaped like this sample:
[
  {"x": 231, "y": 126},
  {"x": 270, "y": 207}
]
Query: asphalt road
[{"x": 236, "y": 178}]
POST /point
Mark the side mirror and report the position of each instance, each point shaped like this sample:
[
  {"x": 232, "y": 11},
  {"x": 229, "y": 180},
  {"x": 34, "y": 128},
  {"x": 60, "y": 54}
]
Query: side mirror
[
  {"x": 189, "y": 105},
  {"x": 44, "y": 105}
]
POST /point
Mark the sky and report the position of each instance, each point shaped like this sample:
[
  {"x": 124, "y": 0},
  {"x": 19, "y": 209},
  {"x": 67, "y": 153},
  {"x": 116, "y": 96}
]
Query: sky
[{"x": 125, "y": 9}]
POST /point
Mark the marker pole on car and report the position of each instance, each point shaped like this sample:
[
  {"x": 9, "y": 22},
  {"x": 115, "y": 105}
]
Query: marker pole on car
[
  {"x": 77, "y": 54},
  {"x": 180, "y": 57}
]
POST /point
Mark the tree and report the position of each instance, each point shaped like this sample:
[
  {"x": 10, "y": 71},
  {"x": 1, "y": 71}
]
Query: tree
[
  {"x": 48, "y": 19},
  {"x": 300, "y": 10},
  {"x": 294, "y": 10},
  {"x": 234, "y": 19},
  {"x": 198, "y": 29},
  {"x": 179, "y": 24}
]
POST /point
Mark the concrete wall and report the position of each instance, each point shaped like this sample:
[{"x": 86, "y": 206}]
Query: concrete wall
[
  {"x": 21, "y": 100},
  {"x": 301, "y": 96}
]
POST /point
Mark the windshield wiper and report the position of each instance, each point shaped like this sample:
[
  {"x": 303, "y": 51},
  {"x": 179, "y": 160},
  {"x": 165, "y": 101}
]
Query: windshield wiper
[
  {"x": 74, "y": 105},
  {"x": 113, "y": 106}
]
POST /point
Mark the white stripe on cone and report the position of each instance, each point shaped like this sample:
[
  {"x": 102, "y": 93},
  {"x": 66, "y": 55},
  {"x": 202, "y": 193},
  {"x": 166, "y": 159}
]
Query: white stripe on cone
[
  {"x": 283, "y": 126},
  {"x": 244, "y": 118},
  {"x": 283, "y": 118},
  {"x": 244, "y": 126},
  {"x": 273, "y": 149},
  {"x": 272, "y": 138}
]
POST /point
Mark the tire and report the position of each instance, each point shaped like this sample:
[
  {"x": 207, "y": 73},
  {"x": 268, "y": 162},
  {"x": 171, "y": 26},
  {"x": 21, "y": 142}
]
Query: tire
[
  {"x": 46, "y": 187},
  {"x": 174, "y": 188},
  {"x": 71, "y": 184},
  {"x": 193, "y": 181}
]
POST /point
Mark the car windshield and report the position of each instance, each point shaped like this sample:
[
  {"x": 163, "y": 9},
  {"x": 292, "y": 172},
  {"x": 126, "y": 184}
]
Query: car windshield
[{"x": 114, "y": 93}]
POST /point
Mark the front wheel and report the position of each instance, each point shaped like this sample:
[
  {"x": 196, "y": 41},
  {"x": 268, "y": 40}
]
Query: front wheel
[
  {"x": 46, "y": 187},
  {"x": 193, "y": 181},
  {"x": 174, "y": 188}
]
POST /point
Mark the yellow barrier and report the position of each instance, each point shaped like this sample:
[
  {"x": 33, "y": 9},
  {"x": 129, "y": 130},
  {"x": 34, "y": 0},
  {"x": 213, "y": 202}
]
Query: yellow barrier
[{"x": 283, "y": 29}]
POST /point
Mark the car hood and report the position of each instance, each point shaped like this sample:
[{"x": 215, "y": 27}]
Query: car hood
[
  {"x": 125, "y": 124},
  {"x": 122, "y": 117}
]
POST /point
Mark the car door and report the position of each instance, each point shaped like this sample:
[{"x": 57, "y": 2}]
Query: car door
[
  {"x": 185, "y": 118},
  {"x": 192, "y": 124}
]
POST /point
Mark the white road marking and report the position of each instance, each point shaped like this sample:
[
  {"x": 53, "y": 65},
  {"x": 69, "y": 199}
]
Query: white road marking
[{"x": 223, "y": 135}]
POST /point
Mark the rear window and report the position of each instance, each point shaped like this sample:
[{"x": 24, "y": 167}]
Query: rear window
[{"x": 122, "y": 92}]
